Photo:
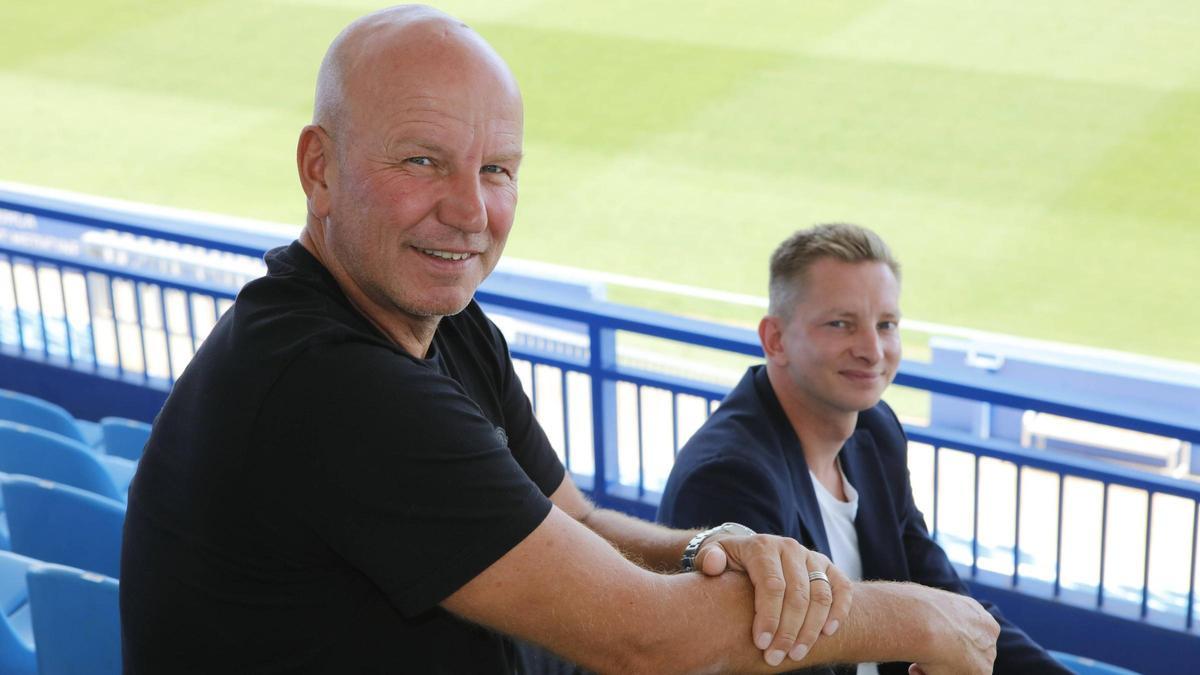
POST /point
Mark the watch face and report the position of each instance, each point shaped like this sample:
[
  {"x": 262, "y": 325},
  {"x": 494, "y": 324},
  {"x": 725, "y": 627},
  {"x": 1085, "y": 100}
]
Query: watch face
[{"x": 738, "y": 529}]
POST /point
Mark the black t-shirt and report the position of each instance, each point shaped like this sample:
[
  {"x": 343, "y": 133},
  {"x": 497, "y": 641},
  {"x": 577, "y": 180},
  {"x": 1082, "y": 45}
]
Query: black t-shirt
[{"x": 311, "y": 492}]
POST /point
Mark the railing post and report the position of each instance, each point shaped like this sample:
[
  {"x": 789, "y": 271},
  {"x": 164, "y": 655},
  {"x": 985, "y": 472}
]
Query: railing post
[
  {"x": 566, "y": 417},
  {"x": 1016, "y": 576},
  {"x": 12, "y": 271},
  {"x": 975, "y": 523},
  {"x": 1191, "y": 594},
  {"x": 602, "y": 360},
  {"x": 1058, "y": 539},
  {"x": 62, "y": 296}
]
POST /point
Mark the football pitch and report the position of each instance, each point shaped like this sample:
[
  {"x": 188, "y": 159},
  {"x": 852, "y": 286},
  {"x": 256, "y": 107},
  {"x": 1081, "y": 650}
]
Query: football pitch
[{"x": 1035, "y": 166}]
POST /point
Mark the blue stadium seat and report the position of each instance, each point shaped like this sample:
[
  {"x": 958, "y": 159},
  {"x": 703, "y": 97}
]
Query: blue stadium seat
[
  {"x": 124, "y": 437},
  {"x": 76, "y": 621},
  {"x": 1086, "y": 666},
  {"x": 61, "y": 524},
  {"x": 31, "y": 410},
  {"x": 16, "y": 630},
  {"x": 42, "y": 454}
]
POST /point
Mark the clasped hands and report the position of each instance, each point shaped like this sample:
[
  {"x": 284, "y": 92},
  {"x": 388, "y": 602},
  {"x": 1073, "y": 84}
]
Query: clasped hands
[{"x": 790, "y": 611}]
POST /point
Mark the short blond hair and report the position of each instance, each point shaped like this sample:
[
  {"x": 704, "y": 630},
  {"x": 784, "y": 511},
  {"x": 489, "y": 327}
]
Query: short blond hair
[{"x": 840, "y": 241}]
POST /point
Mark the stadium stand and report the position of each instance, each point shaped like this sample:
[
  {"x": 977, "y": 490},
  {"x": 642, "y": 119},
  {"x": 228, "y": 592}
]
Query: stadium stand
[
  {"x": 16, "y": 629},
  {"x": 34, "y": 452},
  {"x": 61, "y": 524},
  {"x": 76, "y": 621},
  {"x": 124, "y": 437},
  {"x": 36, "y": 412},
  {"x": 101, "y": 309}
]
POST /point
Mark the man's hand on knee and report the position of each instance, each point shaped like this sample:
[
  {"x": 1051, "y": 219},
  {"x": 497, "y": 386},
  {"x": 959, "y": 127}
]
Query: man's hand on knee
[{"x": 790, "y": 610}]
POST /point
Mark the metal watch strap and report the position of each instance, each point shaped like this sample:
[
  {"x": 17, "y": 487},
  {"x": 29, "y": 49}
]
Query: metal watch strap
[{"x": 688, "y": 561}]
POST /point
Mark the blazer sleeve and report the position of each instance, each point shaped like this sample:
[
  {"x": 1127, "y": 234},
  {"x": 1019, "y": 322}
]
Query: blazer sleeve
[
  {"x": 723, "y": 489},
  {"x": 928, "y": 565}
]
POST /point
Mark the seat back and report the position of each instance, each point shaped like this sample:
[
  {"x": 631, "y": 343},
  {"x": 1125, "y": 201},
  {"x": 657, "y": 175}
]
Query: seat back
[
  {"x": 61, "y": 524},
  {"x": 31, "y": 410},
  {"x": 124, "y": 437},
  {"x": 16, "y": 632},
  {"x": 34, "y": 452},
  {"x": 76, "y": 621}
]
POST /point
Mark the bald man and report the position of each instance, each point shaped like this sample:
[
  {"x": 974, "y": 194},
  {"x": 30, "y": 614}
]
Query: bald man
[{"x": 348, "y": 477}]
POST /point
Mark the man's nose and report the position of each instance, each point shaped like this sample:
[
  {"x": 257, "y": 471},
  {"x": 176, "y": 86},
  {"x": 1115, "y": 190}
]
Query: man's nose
[
  {"x": 463, "y": 207},
  {"x": 868, "y": 345}
]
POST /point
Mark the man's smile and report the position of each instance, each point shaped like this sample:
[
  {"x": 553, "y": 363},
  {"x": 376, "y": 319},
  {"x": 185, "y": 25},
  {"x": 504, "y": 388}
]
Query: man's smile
[{"x": 446, "y": 255}]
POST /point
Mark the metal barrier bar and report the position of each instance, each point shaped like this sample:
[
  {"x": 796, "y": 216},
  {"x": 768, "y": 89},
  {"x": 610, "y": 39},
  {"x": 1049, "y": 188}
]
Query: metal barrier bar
[
  {"x": 1146, "y": 560},
  {"x": 1016, "y": 575},
  {"x": 937, "y": 494},
  {"x": 12, "y": 272},
  {"x": 91, "y": 324},
  {"x": 191, "y": 321},
  {"x": 1058, "y": 537},
  {"x": 641, "y": 450},
  {"x": 37, "y": 294},
  {"x": 1191, "y": 596},
  {"x": 1103, "y": 547},
  {"x": 62, "y": 296},
  {"x": 674, "y": 424},
  {"x": 141, "y": 327},
  {"x": 116, "y": 322},
  {"x": 974, "y": 521},
  {"x": 566, "y": 403},
  {"x": 166, "y": 327}
]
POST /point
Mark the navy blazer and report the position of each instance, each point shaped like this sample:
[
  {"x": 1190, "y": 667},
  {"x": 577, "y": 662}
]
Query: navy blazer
[{"x": 745, "y": 465}]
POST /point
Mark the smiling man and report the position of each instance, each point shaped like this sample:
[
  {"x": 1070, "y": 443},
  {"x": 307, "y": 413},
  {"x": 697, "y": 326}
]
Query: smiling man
[
  {"x": 348, "y": 478},
  {"x": 803, "y": 447}
]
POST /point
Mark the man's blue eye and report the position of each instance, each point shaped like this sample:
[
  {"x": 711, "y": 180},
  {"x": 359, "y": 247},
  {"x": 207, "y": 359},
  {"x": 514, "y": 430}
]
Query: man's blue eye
[
  {"x": 419, "y": 161},
  {"x": 493, "y": 168}
]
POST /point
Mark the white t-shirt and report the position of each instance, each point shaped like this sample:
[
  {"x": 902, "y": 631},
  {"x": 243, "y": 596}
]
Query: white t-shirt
[{"x": 838, "y": 518}]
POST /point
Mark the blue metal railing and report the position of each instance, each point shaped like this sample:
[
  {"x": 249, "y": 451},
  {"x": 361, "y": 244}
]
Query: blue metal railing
[{"x": 618, "y": 425}]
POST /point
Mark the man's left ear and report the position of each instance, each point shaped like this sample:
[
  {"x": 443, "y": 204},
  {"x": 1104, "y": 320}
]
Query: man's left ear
[{"x": 770, "y": 336}]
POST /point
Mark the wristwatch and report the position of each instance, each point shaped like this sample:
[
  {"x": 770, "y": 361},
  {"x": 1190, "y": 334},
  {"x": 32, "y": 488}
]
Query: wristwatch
[{"x": 688, "y": 562}]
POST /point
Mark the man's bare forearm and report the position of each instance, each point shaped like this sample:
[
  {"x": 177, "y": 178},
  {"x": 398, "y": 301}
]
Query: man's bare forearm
[
  {"x": 567, "y": 589},
  {"x": 649, "y": 545},
  {"x": 887, "y": 622},
  {"x": 652, "y": 546}
]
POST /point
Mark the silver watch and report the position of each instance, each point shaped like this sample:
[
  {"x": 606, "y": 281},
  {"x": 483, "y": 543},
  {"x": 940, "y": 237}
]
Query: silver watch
[{"x": 688, "y": 562}]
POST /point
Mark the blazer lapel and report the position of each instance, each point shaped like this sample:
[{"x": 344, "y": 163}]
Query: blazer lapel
[
  {"x": 808, "y": 511},
  {"x": 879, "y": 543}
]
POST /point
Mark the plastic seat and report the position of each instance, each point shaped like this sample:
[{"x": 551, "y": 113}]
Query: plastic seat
[
  {"x": 61, "y": 524},
  {"x": 31, "y": 410},
  {"x": 16, "y": 630},
  {"x": 42, "y": 454},
  {"x": 76, "y": 621},
  {"x": 1086, "y": 666},
  {"x": 124, "y": 437}
]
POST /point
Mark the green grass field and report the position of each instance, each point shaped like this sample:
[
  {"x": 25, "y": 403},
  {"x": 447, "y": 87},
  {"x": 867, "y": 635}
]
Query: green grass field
[{"x": 1036, "y": 167}]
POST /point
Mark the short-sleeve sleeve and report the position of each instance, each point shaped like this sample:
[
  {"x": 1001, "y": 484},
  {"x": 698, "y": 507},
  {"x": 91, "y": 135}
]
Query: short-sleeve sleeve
[
  {"x": 527, "y": 439},
  {"x": 394, "y": 467}
]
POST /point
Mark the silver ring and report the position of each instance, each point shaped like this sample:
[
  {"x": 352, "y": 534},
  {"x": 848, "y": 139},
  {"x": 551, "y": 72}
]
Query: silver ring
[{"x": 818, "y": 576}]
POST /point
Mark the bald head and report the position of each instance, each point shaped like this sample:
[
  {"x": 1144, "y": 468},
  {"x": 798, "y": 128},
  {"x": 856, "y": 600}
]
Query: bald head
[
  {"x": 406, "y": 44},
  {"x": 410, "y": 167}
]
